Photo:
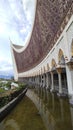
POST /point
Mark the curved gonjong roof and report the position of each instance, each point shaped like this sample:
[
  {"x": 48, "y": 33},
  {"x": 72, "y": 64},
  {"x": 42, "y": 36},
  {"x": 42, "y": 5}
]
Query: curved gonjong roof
[{"x": 49, "y": 17}]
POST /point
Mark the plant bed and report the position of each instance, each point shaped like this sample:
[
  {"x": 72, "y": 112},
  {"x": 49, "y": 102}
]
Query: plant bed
[
  {"x": 9, "y": 95},
  {"x": 4, "y": 111}
]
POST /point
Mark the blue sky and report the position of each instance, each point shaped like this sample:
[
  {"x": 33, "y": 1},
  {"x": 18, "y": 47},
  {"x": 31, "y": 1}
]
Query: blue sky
[{"x": 15, "y": 23}]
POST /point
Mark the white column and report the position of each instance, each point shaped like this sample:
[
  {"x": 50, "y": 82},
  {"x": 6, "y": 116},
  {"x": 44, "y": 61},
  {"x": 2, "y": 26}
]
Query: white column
[
  {"x": 59, "y": 70},
  {"x": 69, "y": 73},
  {"x": 47, "y": 80},
  {"x": 43, "y": 80},
  {"x": 60, "y": 83},
  {"x": 34, "y": 80},
  {"x": 38, "y": 80},
  {"x": 52, "y": 82}
]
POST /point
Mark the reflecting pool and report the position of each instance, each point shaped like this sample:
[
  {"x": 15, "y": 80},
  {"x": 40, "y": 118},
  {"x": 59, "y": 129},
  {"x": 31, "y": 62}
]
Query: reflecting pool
[
  {"x": 24, "y": 116},
  {"x": 56, "y": 112},
  {"x": 51, "y": 112}
]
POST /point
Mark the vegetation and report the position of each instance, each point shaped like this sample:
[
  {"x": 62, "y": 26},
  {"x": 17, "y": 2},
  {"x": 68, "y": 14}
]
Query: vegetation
[
  {"x": 1, "y": 84},
  {"x": 21, "y": 86},
  {"x": 8, "y": 84},
  {"x": 9, "y": 94},
  {"x": 4, "y": 101},
  {"x": 2, "y": 90}
]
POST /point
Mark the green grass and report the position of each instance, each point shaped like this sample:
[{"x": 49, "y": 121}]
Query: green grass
[{"x": 2, "y": 90}]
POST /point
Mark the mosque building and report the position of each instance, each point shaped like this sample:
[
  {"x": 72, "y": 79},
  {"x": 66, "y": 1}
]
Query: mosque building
[{"x": 47, "y": 58}]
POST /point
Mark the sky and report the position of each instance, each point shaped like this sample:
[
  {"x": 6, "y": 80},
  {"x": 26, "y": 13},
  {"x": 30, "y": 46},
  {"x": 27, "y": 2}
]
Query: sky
[{"x": 16, "y": 17}]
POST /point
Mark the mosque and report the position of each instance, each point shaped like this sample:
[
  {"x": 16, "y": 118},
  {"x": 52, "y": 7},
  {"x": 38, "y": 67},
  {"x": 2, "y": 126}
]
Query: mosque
[{"x": 47, "y": 58}]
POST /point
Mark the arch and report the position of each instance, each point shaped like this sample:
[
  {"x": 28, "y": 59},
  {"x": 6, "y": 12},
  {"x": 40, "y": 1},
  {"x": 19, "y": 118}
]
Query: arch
[
  {"x": 53, "y": 63},
  {"x": 61, "y": 59},
  {"x": 48, "y": 68},
  {"x": 44, "y": 69},
  {"x": 41, "y": 70},
  {"x": 72, "y": 49},
  {"x": 38, "y": 72}
]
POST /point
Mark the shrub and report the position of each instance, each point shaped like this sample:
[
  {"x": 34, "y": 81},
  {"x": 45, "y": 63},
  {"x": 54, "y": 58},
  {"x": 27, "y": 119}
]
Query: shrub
[{"x": 8, "y": 84}]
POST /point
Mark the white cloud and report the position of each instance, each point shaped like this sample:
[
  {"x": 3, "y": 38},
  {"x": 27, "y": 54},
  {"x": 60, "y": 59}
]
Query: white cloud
[
  {"x": 29, "y": 7},
  {"x": 6, "y": 68},
  {"x": 16, "y": 23},
  {"x": 15, "y": 38}
]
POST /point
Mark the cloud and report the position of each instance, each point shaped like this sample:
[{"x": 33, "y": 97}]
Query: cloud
[
  {"x": 29, "y": 7},
  {"x": 6, "y": 67},
  {"x": 15, "y": 21}
]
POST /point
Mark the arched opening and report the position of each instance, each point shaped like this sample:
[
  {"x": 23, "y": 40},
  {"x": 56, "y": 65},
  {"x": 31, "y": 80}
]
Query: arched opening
[
  {"x": 72, "y": 49},
  {"x": 61, "y": 62},
  {"x": 53, "y": 64},
  {"x": 55, "y": 74},
  {"x": 48, "y": 68},
  {"x": 48, "y": 78},
  {"x": 44, "y": 69},
  {"x": 44, "y": 77},
  {"x": 41, "y": 77},
  {"x": 61, "y": 59}
]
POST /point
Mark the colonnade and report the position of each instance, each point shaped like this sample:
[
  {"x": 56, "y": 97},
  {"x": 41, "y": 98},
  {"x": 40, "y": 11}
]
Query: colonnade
[
  {"x": 57, "y": 80},
  {"x": 55, "y": 71}
]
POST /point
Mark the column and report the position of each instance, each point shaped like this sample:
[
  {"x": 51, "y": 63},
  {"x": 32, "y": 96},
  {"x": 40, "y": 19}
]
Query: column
[
  {"x": 60, "y": 84},
  {"x": 52, "y": 82},
  {"x": 69, "y": 71},
  {"x": 47, "y": 82},
  {"x": 37, "y": 80},
  {"x": 31, "y": 80},
  {"x": 34, "y": 80},
  {"x": 59, "y": 70},
  {"x": 43, "y": 80},
  {"x": 40, "y": 80}
]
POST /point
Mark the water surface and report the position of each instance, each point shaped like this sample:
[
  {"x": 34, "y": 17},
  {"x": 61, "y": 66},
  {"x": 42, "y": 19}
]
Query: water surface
[
  {"x": 51, "y": 112},
  {"x": 24, "y": 116},
  {"x": 56, "y": 112}
]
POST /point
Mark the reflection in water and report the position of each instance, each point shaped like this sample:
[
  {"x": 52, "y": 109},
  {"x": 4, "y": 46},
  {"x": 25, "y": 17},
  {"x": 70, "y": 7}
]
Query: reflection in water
[
  {"x": 56, "y": 112},
  {"x": 24, "y": 116},
  {"x": 72, "y": 115},
  {"x": 12, "y": 123},
  {"x": 2, "y": 127}
]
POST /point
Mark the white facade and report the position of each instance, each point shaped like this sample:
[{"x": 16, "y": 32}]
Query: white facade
[{"x": 63, "y": 46}]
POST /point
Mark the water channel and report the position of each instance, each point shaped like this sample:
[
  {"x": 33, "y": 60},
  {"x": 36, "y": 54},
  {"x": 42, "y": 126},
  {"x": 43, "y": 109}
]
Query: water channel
[{"x": 40, "y": 110}]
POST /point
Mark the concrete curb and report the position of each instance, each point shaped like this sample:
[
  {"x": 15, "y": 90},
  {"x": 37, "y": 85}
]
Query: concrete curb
[{"x": 7, "y": 108}]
